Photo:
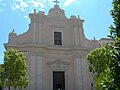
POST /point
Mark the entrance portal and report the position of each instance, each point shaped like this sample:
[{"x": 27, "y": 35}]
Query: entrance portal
[{"x": 58, "y": 80}]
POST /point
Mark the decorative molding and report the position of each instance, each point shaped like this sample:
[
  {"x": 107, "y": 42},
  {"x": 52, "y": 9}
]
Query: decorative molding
[
  {"x": 58, "y": 65},
  {"x": 58, "y": 62}
]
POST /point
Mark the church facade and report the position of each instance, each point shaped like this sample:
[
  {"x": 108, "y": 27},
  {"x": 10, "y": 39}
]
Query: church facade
[{"x": 55, "y": 47}]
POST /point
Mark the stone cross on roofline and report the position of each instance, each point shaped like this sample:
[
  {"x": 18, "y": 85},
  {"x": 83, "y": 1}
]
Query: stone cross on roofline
[{"x": 56, "y": 1}]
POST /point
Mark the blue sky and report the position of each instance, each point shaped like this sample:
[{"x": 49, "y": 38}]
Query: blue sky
[{"x": 14, "y": 15}]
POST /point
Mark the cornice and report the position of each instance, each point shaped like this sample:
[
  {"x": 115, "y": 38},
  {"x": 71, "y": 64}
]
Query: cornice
[{"x": 45, "y": 47}]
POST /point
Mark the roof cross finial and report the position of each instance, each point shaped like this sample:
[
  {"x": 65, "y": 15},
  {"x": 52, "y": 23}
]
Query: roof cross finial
[
  {"x": 56, "y": 1},
  {"x": 13, "y": 31}
]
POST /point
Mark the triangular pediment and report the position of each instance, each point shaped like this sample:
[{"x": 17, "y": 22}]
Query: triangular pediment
[{"x": 58, "y": 62}]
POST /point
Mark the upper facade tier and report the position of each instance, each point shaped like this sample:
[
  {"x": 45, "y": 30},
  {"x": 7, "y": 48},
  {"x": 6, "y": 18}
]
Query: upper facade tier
[
  {"x": 53, "y": 30},
  {"x": 56, "y": 12}
]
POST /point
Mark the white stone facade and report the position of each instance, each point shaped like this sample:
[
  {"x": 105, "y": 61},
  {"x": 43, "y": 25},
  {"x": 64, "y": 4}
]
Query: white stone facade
[{"x": 43, "y": 57}]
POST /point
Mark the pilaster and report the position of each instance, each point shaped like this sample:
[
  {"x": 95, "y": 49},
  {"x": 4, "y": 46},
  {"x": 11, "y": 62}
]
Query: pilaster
[
  {"x": 78, "y": 74},
  {"x": 76, "y": 36},
  {"x": 36, "y": 27},
  {"x": 39, "y": 76},
  {"x": 32, "y": 73},
  {"x": 36, "y": 74}
]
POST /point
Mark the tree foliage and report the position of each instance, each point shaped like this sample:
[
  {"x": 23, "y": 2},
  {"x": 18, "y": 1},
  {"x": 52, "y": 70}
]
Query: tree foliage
[
  {"x": 115, "y": 35},
  {"x": 15, "y": 69},
  {"x": 108, "y": 78},
  {"x": 99, "y": 59},
  {"x": 1, "y": 74}
]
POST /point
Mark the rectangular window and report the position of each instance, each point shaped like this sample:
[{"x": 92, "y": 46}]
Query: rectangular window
[{"x": 57, "y": 38}]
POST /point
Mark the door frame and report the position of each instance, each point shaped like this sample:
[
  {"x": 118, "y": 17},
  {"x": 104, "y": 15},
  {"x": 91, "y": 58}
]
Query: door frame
[{"x": 65, "y": 76}]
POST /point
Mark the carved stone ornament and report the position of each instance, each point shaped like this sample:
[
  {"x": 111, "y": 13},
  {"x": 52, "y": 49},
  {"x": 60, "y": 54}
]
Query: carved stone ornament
[{"x": 58, "y": 64}]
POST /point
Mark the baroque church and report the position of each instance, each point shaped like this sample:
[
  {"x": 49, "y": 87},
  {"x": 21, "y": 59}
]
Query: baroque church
[{"x": 55, "y": 47}]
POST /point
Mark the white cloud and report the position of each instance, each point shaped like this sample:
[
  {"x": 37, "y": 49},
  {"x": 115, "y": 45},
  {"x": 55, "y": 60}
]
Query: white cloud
[
  {"x": 18, "y": 0},
  {"x": 1, "y": 5},
  {"x": 68, "y": 2},
  {"x": 44, "y": 1},
  {"x": 23, "y": 4},
  {"x": 32, "y": 11},
  {"x": 22, "y": 9},
  {"x": 19, "y": 5},
  {"x": 41, "y": 9},
  {"x": 16, "y": 7},
  {"x": 37, "y": 4},
  {"x": 26, "y": 17}
]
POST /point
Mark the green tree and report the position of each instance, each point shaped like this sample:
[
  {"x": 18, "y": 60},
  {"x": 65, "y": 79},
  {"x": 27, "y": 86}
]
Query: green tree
[
  {"x": 99, "y": 60},
  {"x": 15, "y": 69},
  {"x": 109, "y": 77},
  {"x": 115, "y": 35},
  {"x": 1, "y": 76}
]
